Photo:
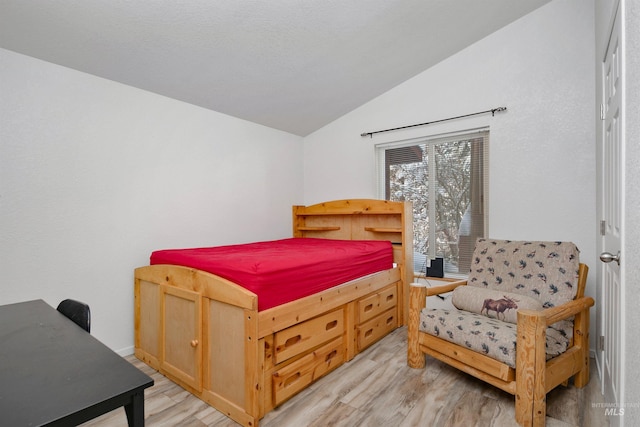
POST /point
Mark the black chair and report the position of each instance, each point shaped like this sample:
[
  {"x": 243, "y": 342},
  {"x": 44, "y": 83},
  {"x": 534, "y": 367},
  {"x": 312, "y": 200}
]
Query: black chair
[{"x": 78, "y": 312}]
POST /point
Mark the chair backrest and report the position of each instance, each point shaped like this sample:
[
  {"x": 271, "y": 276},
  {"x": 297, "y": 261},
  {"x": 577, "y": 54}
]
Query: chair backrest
[
  {"x": 547, "y": 271},
  {"x": 78, "y": 312}
]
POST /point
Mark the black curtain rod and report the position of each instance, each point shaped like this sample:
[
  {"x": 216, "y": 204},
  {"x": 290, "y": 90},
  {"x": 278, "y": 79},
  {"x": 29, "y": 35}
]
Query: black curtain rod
[{"x": 493, "y": 111}]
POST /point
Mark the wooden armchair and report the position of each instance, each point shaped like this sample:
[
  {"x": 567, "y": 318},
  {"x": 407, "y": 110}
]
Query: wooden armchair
[{"x": 519, "y": 295}]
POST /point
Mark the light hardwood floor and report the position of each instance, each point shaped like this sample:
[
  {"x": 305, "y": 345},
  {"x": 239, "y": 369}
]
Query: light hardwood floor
[{"x": 377, "y": 388}]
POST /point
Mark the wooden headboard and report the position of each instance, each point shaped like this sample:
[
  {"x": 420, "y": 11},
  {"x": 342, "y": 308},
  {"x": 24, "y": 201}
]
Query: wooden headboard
[{"x": 362, "y": 219}]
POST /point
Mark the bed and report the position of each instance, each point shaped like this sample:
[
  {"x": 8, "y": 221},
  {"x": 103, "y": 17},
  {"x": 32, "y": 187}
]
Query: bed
[{"x": 227, "y": 336}]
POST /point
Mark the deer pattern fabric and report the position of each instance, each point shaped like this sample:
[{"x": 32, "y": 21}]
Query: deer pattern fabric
[
  {"x": 547, "y": 271},
  {"x": 491, "y": 337}
]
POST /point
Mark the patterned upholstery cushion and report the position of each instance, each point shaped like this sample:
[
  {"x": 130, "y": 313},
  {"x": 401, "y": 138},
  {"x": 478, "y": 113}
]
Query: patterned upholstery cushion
[
  {"x": 494, "y": 304},
  {"x": 547, "y": 271},
  {"x": 492, "y": 337}
]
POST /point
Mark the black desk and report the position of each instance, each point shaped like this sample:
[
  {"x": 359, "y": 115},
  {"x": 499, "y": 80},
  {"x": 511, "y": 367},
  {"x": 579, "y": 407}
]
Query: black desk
[{"x": 54, "y": 373}]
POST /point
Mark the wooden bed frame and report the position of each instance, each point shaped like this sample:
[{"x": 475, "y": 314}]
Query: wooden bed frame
[{"x": 206, "y": 334}]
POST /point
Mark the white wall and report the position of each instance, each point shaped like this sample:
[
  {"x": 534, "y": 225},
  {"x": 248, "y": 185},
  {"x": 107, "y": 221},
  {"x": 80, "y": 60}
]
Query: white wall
[
  {"x": 94, "y": 175},
  {"x": 542, "y": 150}
]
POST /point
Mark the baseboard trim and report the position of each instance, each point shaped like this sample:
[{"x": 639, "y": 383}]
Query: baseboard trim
[{"x": 127, "y": 351}]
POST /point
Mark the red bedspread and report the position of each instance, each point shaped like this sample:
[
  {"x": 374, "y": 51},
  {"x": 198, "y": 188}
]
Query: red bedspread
[{"x": 280, "y": 271}]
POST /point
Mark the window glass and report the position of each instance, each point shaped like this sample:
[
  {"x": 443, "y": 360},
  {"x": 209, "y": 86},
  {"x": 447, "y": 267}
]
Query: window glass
[{"x": 445, "y": 178}]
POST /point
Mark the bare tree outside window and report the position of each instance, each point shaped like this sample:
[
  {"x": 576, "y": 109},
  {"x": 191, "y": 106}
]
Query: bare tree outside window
[{"x": 444, "y": 178}]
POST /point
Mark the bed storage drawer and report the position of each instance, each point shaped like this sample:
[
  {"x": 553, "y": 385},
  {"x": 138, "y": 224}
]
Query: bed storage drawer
[
  {"x": 297, "y": 375},
  {"x": 376, "y": 328},
  {"x": 379, "y": 302},
  {"x": 306, "y": 335}
]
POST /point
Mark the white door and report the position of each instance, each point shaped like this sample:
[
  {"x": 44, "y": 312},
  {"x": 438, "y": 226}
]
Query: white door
[{"x": 611, "y": 158}]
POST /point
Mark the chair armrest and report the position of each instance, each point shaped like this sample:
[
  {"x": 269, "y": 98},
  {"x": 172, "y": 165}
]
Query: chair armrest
[
  {"x": 560, "y": 312},
  {"x": 417, "y": 297},
  {"x": 443, "y": 289},
  {"x": 564, "y": 311},
  {"x": 418, "y": 292},
  {"x": 534, "y": 378}
]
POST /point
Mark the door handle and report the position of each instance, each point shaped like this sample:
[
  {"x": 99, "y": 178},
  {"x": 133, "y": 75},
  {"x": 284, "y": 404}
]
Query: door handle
[{"x": 608, "y": 257}]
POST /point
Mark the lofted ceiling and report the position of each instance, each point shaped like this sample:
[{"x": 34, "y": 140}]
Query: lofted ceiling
[{"x": 293, "y": 65}]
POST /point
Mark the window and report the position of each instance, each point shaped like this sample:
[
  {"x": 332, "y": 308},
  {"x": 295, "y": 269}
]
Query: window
[{"x": 446, "y": 179}]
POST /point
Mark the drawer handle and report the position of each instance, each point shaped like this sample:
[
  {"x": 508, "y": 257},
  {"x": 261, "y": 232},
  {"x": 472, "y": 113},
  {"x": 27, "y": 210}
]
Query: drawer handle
[
  {"x": 368, "y": 333},
  {"x": 368, "y": 308},
  {"x": 331, "y": 325},
  {"x": 390, "y": 297},
  {"x": 292, "y": 379},
  {"x": 390, "y": 320},
  {"x": 194, "y": 343},
  {"x": 292, "y": 341},
  {"x": 330, "y": 356}
]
